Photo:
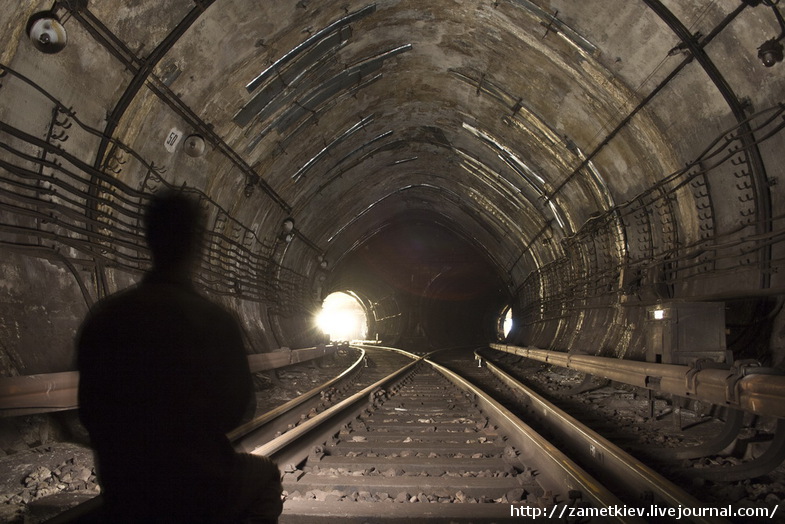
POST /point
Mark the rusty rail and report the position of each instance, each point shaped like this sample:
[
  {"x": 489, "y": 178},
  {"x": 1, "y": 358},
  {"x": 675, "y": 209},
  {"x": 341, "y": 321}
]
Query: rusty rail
[
  {"x": 628, "y": 472},
  {"x": 744, "y": 386},
  {"x": 47, "y": 392}
]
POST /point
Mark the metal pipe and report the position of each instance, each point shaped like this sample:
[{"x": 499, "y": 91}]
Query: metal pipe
[
  {"x": 47, "y": 392},
  {"x": 555, "y": 470},
  {"x": 627, "y": 471},
  {"x": 758, "y": 393},
  {"x": 760, "y": 185}
]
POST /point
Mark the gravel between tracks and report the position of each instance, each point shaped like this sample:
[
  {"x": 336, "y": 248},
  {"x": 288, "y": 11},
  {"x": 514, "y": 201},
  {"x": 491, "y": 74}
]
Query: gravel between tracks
[
  {"x": 46, "y": 466},
  {"x": 627, "y": 408}
]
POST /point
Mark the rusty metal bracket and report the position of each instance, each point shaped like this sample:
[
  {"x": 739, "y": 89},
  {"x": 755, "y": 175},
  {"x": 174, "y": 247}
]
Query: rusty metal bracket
[
  {"x": 739, "y": 370},
  {"x": 730, "y": 430},
  {"x": 769, "y": 460},
  {"x": 691, "y": 377}
]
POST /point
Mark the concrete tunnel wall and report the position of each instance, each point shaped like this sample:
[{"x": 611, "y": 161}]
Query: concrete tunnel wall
[{"x": 533, "y": 133}]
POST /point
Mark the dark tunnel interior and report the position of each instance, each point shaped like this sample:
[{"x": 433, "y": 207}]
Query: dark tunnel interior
[
  {"x": 611, "y": 173},
  {"x": 579, "y": 162},
  {"x": 447, "y": 291}
]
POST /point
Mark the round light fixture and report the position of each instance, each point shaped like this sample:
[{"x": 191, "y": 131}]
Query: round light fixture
[
  {"x": 194, "y": 146},
  {"x": 770, "y": 52},
  {"x": 46, "y": 32}
]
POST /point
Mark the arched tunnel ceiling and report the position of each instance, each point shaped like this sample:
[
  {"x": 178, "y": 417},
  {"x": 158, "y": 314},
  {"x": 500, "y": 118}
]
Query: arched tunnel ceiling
[
  {"x": 340, "y": 107},
  {"x": 526, "y": 126},
  {"x": 493, "y": 103}
]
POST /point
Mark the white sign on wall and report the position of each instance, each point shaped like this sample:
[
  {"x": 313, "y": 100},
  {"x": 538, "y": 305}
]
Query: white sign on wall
[{"x": 172, "y": 139}]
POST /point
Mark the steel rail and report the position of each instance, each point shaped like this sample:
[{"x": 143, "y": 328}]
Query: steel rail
[
  {"x": 556, "y": 471},
  {"x": 628, "y": 472},
  {"x": 316, "y": 430},
  {"x": 758, "y": 393},
  {"x": 323, "y": 511},
  {"x": 48, "y": 392},
  {"x": 249, "y": 434}
]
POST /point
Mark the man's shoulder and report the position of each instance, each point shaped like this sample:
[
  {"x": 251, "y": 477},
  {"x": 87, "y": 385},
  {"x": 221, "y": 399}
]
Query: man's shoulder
[
  {"x": 186, "y": 302},
  {"x": 159, "y": 301},
  {"x": 218, "y": 314},
  {"x": 108, "y": 306}
]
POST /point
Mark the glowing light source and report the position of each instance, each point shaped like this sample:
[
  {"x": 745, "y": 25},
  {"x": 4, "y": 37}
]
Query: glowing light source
[
  {"x": 505, "y": 323},
  {"x": 341, "y": 325},
  {"x": 508, "y": 322},
  {"x": 659, "y": 314},
  {"x": 342, "y": 318}
]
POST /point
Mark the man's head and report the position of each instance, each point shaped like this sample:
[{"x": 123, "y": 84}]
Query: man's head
[{"x": 174, "y": 226}]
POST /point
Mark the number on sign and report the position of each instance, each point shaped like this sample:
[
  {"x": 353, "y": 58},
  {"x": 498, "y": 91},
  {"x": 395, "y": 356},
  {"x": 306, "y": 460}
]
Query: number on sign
[{"x": 173, "y": 139}]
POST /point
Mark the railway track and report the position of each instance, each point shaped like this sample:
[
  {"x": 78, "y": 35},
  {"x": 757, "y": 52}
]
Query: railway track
[
  {"x": 421, "y": 441},
  {"x": 627, "y": 476},
  {"x": 692, "y": 461},
  {"x": 426, "y": 444},
  {"x": 398, "y": 437},
  {"x": 371, "y": 364}
]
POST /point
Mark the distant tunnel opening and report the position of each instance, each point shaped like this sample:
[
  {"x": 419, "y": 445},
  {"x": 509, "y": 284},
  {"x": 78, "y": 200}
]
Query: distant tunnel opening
[
  {"x": 343, "y": 317},
  {"x": 505, "y": 323},
  {"x": 446, "y": 292}
]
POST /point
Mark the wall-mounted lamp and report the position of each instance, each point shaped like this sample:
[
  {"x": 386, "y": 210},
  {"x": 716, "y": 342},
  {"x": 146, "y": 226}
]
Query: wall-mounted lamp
[
  {"x": 46, "y": 32},
  {"x": 770, "y": 52},
  {"x": 194, "y": 146},
  {"x": 287, "y": 229},
  {"x": 322, "y": 262},
  {"x": 658, "y": 313}
]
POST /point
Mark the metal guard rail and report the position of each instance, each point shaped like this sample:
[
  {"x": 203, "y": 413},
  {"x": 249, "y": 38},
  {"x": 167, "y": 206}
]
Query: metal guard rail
[
  {"x": 744, "y": 386},
  {"x": 47, "y": 392}
]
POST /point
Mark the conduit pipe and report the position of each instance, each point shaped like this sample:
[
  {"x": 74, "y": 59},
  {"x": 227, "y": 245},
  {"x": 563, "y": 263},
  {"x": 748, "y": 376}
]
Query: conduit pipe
[
  {"x": 744, "y": 386},
  {"x": 47, "y": 392}
]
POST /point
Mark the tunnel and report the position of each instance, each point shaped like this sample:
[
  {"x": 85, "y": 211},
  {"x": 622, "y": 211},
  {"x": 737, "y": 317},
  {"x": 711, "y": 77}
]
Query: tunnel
[{"x": 585, "y": 165}]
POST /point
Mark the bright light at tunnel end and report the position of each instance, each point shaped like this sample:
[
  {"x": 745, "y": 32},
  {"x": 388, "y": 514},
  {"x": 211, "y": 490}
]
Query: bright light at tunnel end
[
  {"x": 342, "y": 318},
  {"x": 506, "y": 323},
  {"x": 339, "y": 325}
]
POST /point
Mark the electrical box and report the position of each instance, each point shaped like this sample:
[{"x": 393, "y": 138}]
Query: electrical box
[{"x": 682, "y": 332}]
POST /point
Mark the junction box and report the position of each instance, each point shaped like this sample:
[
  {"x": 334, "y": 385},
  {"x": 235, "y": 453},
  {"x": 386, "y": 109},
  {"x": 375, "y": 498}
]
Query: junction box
[{"x": 682, "y": 332}]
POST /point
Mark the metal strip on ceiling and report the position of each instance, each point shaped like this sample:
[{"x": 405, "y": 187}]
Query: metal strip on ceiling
[{"x": 315, "y": 38}]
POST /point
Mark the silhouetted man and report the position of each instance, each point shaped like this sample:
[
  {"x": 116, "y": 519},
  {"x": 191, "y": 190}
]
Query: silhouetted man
[{"x": 163, "y": 377}]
